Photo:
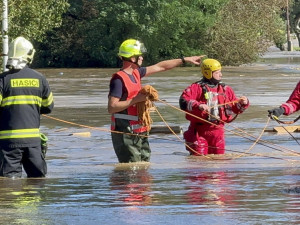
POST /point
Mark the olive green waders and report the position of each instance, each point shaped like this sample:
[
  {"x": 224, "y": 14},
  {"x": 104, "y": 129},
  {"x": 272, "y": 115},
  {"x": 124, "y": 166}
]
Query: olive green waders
[{"x": 131, "y": 148}]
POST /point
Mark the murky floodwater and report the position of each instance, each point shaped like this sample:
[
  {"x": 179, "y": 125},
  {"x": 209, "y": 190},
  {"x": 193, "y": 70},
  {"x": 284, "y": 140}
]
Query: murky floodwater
[{"x": 86, "y": 185}]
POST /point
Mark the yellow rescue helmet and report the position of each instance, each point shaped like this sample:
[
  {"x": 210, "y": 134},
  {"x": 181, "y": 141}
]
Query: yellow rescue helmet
[
  {"x": 208, "y": 66},
  {"x": 20, "y": 53},
  {"x": 131, "y": 47}
]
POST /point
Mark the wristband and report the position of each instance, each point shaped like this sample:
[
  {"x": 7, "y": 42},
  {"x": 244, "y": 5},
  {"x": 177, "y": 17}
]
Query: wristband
[{"x": 182, "y": 59}]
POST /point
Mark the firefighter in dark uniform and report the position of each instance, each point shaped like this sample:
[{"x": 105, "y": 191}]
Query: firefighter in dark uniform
[{"x": 24, "y": 95}]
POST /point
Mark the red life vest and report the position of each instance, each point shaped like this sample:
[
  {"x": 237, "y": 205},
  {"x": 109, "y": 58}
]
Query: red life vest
[{"x": 132, "y": 114}]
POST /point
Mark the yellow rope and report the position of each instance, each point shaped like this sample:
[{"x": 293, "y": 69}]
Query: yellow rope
[
  {"x": 189, "y": 147},
  {"x": 262, "y": 141},
  {"x": 240, "y": 155},
  {"x": 143, "y": 108},
  {"x": 144, "y": 115},
  {"x": 290, "y": 150},
  {"x": 256, "y": 141},
  {"x": 119, "y": 132},
  {"x": 93, "y": 128}
]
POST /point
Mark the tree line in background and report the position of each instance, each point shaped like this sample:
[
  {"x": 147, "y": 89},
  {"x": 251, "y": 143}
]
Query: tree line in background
[{"x": 88, "y": 33}]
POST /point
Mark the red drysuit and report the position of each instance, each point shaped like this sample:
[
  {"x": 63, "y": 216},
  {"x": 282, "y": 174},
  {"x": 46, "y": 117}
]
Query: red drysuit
[
  {"x": 206, "y": 138},
  {"x": 293, "y": 103}
]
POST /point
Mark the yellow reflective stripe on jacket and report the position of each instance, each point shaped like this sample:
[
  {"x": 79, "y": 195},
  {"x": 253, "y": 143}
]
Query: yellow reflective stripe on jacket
[
  {"x": 21, "y": 133},
  {"x": 22, "y": 100},
  {"x": 48, "y": 101}
]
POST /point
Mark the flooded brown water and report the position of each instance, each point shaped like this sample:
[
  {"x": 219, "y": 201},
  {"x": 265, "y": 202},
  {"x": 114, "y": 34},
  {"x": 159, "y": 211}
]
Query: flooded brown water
[{"x": 86, "y": 185}]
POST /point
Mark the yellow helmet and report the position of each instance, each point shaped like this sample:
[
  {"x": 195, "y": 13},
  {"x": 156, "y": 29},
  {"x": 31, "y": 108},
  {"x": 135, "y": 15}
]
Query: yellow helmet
[
  {"x": 131, "y": 47},
  {"x": 208, "y": 66},
  {"x": 20, "y": 53}
]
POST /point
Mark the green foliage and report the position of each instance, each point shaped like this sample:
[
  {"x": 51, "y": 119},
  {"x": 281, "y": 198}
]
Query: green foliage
[
  {"x": 66, "y": 46},
  {"x": 32, "y": 18},
  {"x": 244, "y": 30},
  {"x": 233, "y": 31},
  {"x": 297, "y": 48},
  {"x": 181, "y": 27},
  {"x": 98, "y": 27},
  {"x": 294, "y": 11}
]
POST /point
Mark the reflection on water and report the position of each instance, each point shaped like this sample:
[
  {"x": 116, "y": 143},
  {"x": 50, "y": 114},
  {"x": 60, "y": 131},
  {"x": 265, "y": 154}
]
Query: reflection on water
[
  {"x": 20, "y": 200},
  {"x": 132, "y": 184},
  {"x": 86, "y": 185},
  {"x": 138, "y": 194},
  {"x": 210, "y": 188}
]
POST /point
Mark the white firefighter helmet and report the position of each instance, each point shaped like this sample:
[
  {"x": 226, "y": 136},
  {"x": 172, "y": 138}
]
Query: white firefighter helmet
[{"x": 20, "y": 53}]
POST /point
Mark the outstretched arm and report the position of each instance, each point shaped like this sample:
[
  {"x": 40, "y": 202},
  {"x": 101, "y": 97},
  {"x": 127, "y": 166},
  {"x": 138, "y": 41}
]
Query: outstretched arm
[
  {"x": 293, "y": 103},
  {"x": 290, "y": 106},
  {"x": 169, "y": 64}
]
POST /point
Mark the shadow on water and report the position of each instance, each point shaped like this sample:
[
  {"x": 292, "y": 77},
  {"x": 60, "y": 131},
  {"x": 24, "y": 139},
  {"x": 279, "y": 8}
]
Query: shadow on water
[{"x": 86, "y": 185}]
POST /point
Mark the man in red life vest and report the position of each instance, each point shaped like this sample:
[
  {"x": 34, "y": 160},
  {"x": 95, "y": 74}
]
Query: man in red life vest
[
  {"x": 123, "y": 96},
  {"x": 290, "y": 106},
  {"x": 214, "y": 103}
]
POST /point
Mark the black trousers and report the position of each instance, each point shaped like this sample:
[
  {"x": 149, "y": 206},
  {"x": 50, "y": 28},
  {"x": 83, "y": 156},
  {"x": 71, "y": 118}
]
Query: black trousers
[{"x": 32, "y": 159}]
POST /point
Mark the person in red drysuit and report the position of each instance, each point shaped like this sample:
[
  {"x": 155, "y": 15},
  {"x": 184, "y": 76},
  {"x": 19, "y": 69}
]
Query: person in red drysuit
[
  {"x": 206, "y": 99},
  {"x": 291, "y": 106}
]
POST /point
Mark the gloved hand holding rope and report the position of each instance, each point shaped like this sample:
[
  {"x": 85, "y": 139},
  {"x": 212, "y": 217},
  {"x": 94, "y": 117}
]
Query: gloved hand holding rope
[{"x": 144, "y": 107}]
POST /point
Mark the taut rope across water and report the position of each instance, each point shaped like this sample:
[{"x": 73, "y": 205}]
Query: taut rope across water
[{"x": 144, "y": 115}]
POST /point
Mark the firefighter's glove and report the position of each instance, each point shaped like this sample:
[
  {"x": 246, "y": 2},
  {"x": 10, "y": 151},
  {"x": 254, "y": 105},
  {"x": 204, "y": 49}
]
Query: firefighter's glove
[
  {"x": 44, "y": 145},
  {"x": 276, "y": 112}
]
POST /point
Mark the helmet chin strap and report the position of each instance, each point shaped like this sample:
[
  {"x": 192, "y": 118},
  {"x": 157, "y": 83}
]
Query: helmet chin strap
[
  {"x": 136, "y": 61},
  {"x": 129, "y": 60}
]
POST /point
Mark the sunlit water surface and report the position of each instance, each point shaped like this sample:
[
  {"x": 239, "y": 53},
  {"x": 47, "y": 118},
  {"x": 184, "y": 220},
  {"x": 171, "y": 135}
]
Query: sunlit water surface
[{"x": 250, "y": 184}]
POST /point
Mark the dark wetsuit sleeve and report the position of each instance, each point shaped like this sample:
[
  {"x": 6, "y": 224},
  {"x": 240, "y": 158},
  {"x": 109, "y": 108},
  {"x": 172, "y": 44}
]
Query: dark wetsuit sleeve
[
  {"x": 142, "y": 71},
  {"x": 116, "y": 88}
]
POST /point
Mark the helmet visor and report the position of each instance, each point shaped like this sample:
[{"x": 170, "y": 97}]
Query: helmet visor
[{"x": 143, "y": 48}]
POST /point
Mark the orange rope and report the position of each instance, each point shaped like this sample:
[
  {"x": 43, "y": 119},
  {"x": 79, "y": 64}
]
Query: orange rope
[
  {"x": 231, "y": 158},
  {"x": 93, "y": 128},
  {"x": 262, "y": 141},
  {"x": 133, "y": 134},
  {"x": 256, "y": 141},
  {"x": 189, "y": 147},
  {"x": 144, "y": 107},
  {"x": 145, "y": 118}
]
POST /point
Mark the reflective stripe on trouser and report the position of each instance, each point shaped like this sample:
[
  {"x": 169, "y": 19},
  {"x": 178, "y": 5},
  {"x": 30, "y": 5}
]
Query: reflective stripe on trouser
[
  {"x": 21, "y": 133},
  {"x": 131, "y": 148},
  {"x": 12, "y": 159},
  {"x": 125, "y": 117},
  {"x": 133, "y": 127}
]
